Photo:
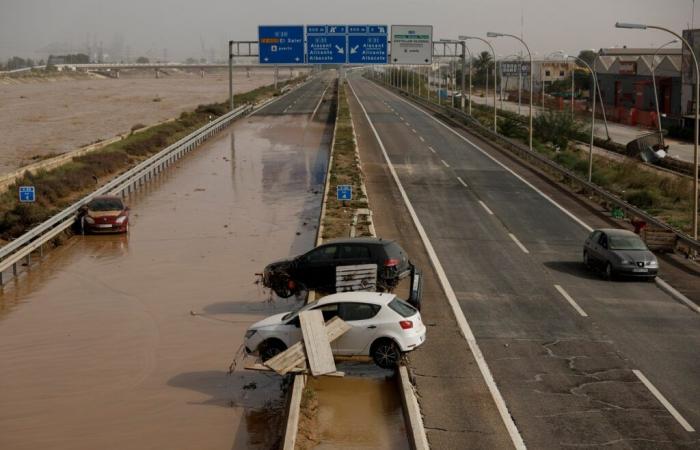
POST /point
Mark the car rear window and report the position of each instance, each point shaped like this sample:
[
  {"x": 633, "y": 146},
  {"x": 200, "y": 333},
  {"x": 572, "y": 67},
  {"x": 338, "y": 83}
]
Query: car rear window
[
  {"x": 402, "y": 308},
  {"x": 106, "y": 204}
]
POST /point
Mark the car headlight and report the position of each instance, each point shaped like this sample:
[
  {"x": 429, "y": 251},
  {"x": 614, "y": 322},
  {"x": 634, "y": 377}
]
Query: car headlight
[
  {"x": 89, "y": 219},
  {"x": 249, "y": 334},
  {"x": 653, "y": 263},
  {"x": 120, "y": 220},
  {"x": 625, "y": 261}
]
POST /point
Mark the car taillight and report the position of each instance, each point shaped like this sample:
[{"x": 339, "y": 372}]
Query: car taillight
[
  {"x": 406, "y": 324},
  {"x": 391, "y": 262}
]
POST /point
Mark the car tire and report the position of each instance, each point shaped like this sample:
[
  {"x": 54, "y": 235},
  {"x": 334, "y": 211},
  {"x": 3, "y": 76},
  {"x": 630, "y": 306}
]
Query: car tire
[
  {"x": 385, "y": 353},
  {"x": 271, "y": 348},
  {"x": 609, "y": 273}
]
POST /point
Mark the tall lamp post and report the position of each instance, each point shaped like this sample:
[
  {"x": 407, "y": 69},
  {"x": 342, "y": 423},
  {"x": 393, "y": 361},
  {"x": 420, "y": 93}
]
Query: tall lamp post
[
  {"x": 639, "y": 26},
  {"x": 495, "y": 77},
  {"x": 492, "y": 34},
  {"x": 653, "y": 82},
  {"x": 593, "y": 97}
]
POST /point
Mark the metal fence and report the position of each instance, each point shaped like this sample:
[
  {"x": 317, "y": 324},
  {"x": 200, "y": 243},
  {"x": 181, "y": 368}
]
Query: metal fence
[
  {"x": 630, "y": 210},
  {"x": 22, "y": 247}
]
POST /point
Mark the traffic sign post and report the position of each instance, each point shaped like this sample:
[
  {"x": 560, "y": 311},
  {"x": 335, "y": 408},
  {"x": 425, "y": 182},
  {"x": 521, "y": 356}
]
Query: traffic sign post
[
  {"x": 27, "y": 194},
  {"x": 344, "y": 192},
  {"x": 281, "y": 44}
]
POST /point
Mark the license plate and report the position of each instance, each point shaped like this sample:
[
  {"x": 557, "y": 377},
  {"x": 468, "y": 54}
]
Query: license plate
[
  {"x": 640, "y": 270},
  {"x": 106, "y": 225}
]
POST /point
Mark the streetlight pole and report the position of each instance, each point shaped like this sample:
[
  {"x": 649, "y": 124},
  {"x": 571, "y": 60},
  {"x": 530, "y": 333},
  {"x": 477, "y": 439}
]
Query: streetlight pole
[
  {"x": 656, "y": 94},
  {"x": 230, "y": 74},
  {"x": 492, "y": 34},
  {"x": 471, "y": 60},
  {"x": 697, "y": 111},
  {"x": 493, "y": 52}
]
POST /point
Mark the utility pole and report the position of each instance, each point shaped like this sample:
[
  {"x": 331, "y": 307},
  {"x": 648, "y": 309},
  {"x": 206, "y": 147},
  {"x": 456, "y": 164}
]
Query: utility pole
[{"x": 230, "y": 74}]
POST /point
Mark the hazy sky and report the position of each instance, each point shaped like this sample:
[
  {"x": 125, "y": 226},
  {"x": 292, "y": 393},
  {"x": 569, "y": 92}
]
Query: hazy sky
[{"x": 26, "y": 26}]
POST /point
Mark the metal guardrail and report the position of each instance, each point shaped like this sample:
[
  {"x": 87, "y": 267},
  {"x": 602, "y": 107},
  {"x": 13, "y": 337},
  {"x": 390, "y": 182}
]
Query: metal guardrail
[
  {"x": 609, "y": 197},
  {"x": 22, "y": 247}
]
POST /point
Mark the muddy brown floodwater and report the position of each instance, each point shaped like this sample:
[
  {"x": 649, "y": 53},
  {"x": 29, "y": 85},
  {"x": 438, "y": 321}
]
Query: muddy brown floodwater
[
  {"x": 118, "y": 342},
  {"x": 361, "y": 411}
]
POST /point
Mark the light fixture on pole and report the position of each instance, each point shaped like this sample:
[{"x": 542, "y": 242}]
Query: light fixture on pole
[
  {"x": 495, "y": 112},
  {"x": 492, "y": 34},
  {"x": 638, "y": 26}
]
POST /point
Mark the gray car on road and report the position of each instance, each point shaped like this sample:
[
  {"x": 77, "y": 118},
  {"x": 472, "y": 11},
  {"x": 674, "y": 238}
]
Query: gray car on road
[{"x": 619, "y": 252}]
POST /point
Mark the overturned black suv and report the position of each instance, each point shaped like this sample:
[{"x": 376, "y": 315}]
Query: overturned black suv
[{"x": 316, "y": 269}]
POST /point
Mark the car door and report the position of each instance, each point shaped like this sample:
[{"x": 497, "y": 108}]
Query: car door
[
  {"x": 363, "y": 328},
  {"x": 603, "y": 254},
  {"x": 316, "y": 269}
]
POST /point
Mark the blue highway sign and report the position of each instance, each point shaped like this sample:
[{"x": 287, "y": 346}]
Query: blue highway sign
[
  {"x": 326, "y": 44},
  {"x": 281, "y": 44},
  {"x": 344, "y": 192},
  {"x": 27, "y": 194},
  {"x": 367, "y": 44}
]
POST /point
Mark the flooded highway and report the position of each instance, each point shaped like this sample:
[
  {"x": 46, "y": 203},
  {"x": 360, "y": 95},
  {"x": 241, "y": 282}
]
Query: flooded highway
[{"x": 125, "y": 341}]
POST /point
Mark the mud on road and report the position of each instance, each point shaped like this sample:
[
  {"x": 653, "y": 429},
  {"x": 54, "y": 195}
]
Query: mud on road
[{"x": 124, "y": 341}]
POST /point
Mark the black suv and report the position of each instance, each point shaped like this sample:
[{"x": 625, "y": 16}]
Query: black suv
[{"x": 316, "y": 269}]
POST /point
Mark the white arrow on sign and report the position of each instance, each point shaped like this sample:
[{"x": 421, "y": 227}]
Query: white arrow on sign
[
  {"x": 340, "y": 49},
  {"x": 296, "y": 59},
  {"x": 265, "y": 59},
  {"x": 353, "y": 50}
]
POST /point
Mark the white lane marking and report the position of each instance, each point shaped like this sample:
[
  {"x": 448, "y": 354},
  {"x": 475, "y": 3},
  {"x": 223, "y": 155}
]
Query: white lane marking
[
  {"x": 570, "y": 300},
  {"x": 401, "y": 118},
  {"x": 518, "y": 243},
  {"x": 451, "y": 296},
  {"x": 659, "y": 281},
  {"x": 677, "y": 295},
  {"x": 488, "y": 210},
  {"x": 413, "y": 129},
  {"x": 432, "y": 149},
  {"x": 443, "y": 161},
  {"x": 462, "y": 181},
  {"x": 320, "y": 100},
  {"x": 659, "y": 396},
  {"x": 548, "y": 198},
  {"x": 421, "y": 138}
]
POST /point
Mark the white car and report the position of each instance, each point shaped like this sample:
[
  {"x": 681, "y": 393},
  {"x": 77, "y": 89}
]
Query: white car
[{"x": 383, "y": 327}]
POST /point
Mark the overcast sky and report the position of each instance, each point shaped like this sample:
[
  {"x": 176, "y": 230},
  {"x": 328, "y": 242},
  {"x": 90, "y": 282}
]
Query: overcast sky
[{"x": 27, "y": 26}]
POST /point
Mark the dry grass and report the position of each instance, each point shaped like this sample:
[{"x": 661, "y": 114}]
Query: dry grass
[{"x": 345, "y": 170}]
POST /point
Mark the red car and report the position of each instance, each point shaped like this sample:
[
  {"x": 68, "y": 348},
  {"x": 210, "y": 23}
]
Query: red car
[{"x": 105, "y": 214}]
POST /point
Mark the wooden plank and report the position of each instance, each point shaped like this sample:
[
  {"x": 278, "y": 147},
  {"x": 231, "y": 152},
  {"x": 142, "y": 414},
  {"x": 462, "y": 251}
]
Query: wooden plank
[
  {"x": 294, "y": 356},
  {"x": 318, "y": 349}
]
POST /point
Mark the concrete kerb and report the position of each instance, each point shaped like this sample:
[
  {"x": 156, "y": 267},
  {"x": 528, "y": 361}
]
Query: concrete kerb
[{"x": 414, "y": 420}]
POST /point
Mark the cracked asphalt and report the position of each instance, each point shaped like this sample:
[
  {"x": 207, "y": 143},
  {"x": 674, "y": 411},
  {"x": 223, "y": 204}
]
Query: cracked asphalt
[{"x": 568, "y": 380}]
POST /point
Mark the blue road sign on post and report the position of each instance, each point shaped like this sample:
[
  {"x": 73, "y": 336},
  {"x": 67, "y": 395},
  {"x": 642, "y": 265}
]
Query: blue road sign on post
[
  {"x": 344, "y": 192},
  {"x": 281, "y": 44},
  {"x": 367, "y": 44},
  {"x": 27, "y": 194},
  {"x": 326, "y": 44}
]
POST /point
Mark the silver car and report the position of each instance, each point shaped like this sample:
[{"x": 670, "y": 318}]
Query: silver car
[{"x": 619, "y": 252}]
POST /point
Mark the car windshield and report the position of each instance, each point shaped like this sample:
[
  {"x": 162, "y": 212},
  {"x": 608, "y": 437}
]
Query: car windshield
[
  {"x": 106, "y": 204},
  {"x": 293, "y": 314},
  {"x": 626, "y": 243}
]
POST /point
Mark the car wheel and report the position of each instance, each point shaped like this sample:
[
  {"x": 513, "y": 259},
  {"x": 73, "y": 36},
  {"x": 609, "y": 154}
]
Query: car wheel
[
  {"x": 385, "y": 353},
  {"x": 586, "y": 260},
  {"x": 609, "y": 274},
  {"x": 271, "y": 348}
]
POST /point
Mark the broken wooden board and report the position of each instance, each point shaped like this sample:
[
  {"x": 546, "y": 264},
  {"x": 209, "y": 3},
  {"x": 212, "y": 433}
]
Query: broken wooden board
[
  {"x": 295, "y": 356},
  {"x": 660, "y": 240},
  {"x": 319, "y": 355}
]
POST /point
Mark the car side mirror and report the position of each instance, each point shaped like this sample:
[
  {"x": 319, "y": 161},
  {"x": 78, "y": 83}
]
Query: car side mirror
[{"x": 605, "y": 245}]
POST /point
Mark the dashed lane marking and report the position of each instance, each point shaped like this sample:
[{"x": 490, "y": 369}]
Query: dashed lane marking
[
  {"x": 518, "y": 243},
  {"x": 571, "y": 301},
  {"x": 488, "y": 210}
]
